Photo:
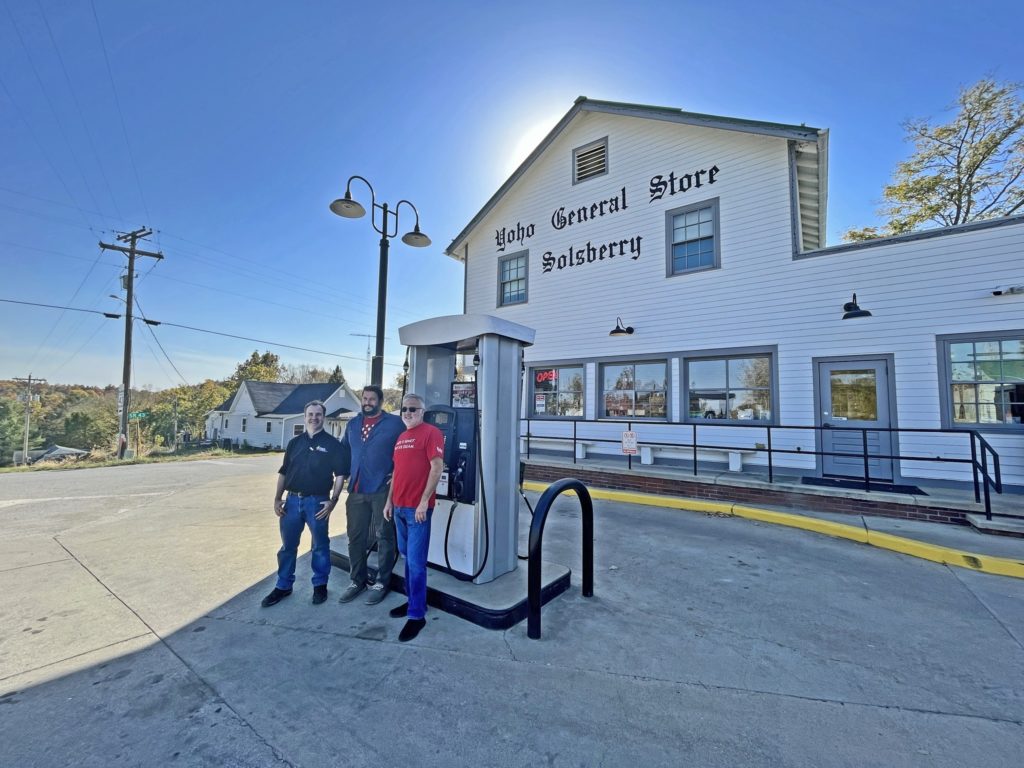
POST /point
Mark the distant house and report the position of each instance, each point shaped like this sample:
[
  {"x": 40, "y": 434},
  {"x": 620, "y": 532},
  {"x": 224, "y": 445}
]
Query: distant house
[{"x": 268, "y": 414}]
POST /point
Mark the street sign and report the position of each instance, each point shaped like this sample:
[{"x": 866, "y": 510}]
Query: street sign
[
  {"x": 629, "y": 443},
  {"x": 137, "y": 414}
]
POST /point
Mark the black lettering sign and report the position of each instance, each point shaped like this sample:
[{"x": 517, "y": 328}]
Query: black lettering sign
[
  {"x": 589, "y": 253},
  {"x": 517, "y": 234},
  {"x": 561, "y": 218},
  {"x": 678, "y": 184}
]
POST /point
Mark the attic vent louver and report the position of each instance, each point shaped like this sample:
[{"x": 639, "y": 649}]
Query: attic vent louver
[{"x": 590, "y": 160}]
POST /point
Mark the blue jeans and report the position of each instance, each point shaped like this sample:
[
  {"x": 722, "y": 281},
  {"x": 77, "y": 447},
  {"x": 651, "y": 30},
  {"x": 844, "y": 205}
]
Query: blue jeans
[
  {"x": 298, "y": 513},
  {"x": 414, "y": 543}
]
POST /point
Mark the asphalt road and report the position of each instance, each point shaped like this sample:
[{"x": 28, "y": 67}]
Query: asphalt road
[{"x": 131, "y": 635}]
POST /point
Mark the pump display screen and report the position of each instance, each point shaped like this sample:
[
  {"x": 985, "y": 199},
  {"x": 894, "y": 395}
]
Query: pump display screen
[{"x": 439, "y": 418}]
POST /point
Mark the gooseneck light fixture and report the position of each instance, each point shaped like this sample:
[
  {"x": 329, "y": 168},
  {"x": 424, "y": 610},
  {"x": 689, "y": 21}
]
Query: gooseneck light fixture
[
  {"x": 348, "y": 208},
  {"x": 852, "y": 310},
  {"x": 620, "y": 329}
]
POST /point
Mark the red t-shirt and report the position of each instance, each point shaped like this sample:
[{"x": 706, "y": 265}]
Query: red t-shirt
[{"x": 413, "y": 452}]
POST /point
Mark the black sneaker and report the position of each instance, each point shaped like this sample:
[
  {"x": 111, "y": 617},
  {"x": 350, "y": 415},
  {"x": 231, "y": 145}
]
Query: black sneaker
[
  {"x": 319, "y": 594},
  {"x": 399, "y": 611},
  {"x": 276, "y": 596}
]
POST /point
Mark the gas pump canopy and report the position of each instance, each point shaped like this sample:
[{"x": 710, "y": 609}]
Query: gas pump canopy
[{"x": 460, "y": 332}]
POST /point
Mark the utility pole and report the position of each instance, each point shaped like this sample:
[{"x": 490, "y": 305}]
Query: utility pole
[
  {"x": 367, "y": 336},
  {"x": 28, "y": 414},
  {"x": 132, "y": 251},
  {"x": 175, "y": 439}
]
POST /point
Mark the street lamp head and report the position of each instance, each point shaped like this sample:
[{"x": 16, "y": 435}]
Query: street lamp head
[
  {"x": 348, "y": 208},
  {"x": 416, "y": 238}
]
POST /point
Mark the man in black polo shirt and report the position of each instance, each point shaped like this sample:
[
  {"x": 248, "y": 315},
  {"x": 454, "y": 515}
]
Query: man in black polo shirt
[{"x": 312, "y": 472}]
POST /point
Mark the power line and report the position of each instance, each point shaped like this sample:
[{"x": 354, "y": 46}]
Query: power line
[
  {"x": 78, "y": 106},
  {"x": 61, "y": 316},
  {"x": 153, "y": 334},
  {"x": 114, "y": 316},
  {"x": 120, "y": 112},
  {"x": 21, "y": 115}
]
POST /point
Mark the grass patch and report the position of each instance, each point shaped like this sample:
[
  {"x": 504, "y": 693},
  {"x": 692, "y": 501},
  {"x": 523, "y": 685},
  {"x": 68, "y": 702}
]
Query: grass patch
[{"x": 154, "y": 457}]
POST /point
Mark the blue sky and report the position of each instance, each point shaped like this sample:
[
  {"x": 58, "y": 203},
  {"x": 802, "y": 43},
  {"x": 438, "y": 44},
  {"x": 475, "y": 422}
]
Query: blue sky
[{"x": 228, "y": 127}]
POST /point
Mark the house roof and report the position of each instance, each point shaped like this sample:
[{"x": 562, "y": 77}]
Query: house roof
[
  {"x": 811, "y": 160},
  {"x": 266, "y": 396},
  {"x": 271, "y": 398},
  {"x": 296, "y": 400}
]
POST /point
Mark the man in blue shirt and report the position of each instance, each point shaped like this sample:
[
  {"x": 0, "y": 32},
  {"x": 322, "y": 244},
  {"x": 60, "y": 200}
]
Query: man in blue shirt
[
  {"x": 312, "y": 474},
  {"x": 370, "y": 440}
]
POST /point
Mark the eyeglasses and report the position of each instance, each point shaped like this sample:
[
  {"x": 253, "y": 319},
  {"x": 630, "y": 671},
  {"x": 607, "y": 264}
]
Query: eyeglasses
[{"x": 410, "y": 409}]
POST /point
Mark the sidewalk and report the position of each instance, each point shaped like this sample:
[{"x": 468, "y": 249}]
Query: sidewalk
[{"x": 957, "y": 545}]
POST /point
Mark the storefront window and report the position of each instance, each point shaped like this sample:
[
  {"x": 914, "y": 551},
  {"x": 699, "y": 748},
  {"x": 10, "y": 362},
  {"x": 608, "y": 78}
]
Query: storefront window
[
  {"x": 737, "y": 388},
  {"x": 558, "y": 391},
  {"x": 987, "y": 381},
  {"x": 634, "y": 391}
]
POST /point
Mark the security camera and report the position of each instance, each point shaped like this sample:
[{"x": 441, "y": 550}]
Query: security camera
[{"x": 1001, "y": 290}]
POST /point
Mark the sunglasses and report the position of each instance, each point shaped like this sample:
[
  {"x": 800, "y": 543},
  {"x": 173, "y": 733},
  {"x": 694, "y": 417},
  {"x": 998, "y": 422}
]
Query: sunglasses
[{"x": 410, "y": 409}]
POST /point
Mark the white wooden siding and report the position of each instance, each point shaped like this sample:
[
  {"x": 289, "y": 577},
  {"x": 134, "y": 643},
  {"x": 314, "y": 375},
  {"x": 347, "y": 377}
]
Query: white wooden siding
[{"x": 761, "y": 295}]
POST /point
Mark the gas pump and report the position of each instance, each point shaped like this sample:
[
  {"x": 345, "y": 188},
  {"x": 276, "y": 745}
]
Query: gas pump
[{"x": 475, "y": 526}]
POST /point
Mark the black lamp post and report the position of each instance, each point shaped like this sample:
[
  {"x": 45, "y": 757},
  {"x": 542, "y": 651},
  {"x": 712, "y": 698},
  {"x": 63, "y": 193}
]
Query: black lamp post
[{"x": 351, "y": 209}]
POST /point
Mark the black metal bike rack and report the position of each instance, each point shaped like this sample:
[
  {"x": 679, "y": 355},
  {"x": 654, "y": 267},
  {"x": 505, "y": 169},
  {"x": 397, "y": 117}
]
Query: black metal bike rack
[{"x": 540, "y": 516}]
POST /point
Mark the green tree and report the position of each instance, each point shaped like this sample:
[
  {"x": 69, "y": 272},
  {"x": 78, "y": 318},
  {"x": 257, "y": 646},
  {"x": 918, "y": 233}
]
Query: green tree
[
  {"x": 265, "y": 367},
  {"x": 336, "y": 377},
  {"x": 10, "y": 429},
  {"x": 967, "y": 169}
]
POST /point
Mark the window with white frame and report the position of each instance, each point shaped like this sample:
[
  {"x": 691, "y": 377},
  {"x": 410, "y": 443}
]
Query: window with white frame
[
  {"x": 557, "y": 391},
  {"x": 512, "y": 276},
  {"x": 634, "y": 390},
  {"x": 297, "y": 430},
  {"x": 244, "y": 422},
  {"x": 693, "y": 237},
  {"x": 268, "y": 427},
  {"x": 985, "y": 380},
  {"x": 225, "y": 423},
  {"x": 735, "y": 388}
]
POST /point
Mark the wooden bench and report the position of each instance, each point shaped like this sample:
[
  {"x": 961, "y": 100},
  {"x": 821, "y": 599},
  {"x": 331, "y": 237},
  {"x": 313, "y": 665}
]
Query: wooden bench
[{"x": 735, "y": 455}]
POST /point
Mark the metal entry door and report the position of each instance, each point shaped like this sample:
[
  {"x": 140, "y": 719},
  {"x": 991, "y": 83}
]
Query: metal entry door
[{"x": 855, "y": 393}]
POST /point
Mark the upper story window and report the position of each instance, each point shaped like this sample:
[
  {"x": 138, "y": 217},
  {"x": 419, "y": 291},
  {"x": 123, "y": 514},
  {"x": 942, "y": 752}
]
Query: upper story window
[
  {"x": 297, "y": 430},
  {"x": 557, "y": 391},
  {"x": 226, "y": 423},
  {"x": 244, "y": 420},
  {"x": 512, "y": 277},
  {"x": 693, "y": 237},
  {"x": 590, "y": 160},
  {"x": 268, "y": 426},
  {"x": 634, "y": 390},
  {"x": 984, "y": 380},
  {"x": 736, "y": 388}
]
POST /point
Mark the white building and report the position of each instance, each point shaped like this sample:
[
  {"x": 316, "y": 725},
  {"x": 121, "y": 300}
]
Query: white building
[
  {"x": 268, "y": 414},
  {"x": 705, "y": 235}
]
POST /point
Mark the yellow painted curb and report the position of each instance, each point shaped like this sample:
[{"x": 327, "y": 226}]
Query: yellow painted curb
[{"x": 999, "y": 566}]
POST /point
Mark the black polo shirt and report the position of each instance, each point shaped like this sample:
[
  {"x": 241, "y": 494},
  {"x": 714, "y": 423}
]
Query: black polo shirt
[{"x": 311, "y": 463}]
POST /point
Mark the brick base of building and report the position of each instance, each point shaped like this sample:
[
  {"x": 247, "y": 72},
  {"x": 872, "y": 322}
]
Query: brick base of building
[{"x": 754, "y": 496}]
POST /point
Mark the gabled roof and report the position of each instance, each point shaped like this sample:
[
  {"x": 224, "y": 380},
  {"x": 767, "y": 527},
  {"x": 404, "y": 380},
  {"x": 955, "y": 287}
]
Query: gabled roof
[
  {"x": 811, "y": 160},
  {"x": 298, "y": 397},
  {"x": 267, "y": 395}
]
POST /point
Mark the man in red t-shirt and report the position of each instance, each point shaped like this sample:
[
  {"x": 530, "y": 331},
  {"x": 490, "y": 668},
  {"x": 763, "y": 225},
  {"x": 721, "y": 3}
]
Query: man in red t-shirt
[{"x": 419, "y": 461}]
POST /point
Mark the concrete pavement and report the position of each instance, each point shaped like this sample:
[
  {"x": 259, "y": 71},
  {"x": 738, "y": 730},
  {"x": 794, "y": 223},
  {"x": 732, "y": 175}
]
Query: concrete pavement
[{"x": 131, "y": 634}]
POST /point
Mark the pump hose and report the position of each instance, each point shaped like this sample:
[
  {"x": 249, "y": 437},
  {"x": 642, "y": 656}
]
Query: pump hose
[{"x": 483, "y": 500}]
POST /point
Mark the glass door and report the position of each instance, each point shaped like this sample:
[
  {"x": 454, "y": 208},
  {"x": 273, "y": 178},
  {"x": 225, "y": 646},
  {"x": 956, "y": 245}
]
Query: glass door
[{"x": 855, "y": 396}]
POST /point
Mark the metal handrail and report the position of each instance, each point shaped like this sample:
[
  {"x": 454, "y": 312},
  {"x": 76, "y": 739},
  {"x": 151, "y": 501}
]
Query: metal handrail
[
  {"x": 981, "y": 450},
  {"x": 540, "y": 516}
]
